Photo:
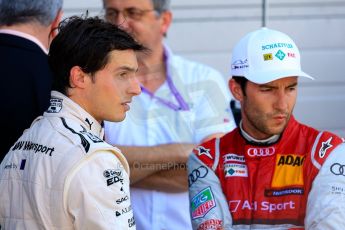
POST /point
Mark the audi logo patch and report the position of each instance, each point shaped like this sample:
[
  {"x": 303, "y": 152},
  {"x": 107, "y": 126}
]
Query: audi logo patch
[
  {"x": 200, "y": 172},
  {"x": 261, "y": 152},
  {"x": 338, "y": 169}
]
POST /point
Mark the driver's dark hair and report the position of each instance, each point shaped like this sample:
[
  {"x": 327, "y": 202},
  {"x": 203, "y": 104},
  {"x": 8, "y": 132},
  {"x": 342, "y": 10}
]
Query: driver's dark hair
[
  {"x": 242, "y": 81},
  {"x": 85, "y": 42}
]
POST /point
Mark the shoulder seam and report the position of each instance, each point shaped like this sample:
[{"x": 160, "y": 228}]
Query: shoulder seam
[
  {"x": 216, "y": 154},
  {"x": 312, "y": 153}
]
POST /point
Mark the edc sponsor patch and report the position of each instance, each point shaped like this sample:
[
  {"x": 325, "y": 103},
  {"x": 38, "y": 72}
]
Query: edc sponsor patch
[
  {"x": 202, "y": 203},
  {"x": 113, "y": 176}
]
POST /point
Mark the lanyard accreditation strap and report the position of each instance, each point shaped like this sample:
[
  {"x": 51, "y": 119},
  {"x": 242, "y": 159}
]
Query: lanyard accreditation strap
[{"x": 182, "y": 105}]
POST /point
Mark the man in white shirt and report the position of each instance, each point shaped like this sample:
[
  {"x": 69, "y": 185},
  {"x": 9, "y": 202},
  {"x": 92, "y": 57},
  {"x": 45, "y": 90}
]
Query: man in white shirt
[{"x": 183, "y": 103}]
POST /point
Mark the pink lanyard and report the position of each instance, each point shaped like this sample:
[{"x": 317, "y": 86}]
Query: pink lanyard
[{"x": 182, "y": 105}]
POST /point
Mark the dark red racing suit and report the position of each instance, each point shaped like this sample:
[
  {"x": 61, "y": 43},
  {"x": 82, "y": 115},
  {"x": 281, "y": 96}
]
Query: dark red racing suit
[{"x": 235, "y": 184}]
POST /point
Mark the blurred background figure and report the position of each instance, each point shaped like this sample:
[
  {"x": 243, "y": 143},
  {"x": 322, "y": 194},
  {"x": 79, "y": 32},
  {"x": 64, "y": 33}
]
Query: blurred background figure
[
  {"x": 26, "y": 29},
  {"x": 182, "y": 104}
]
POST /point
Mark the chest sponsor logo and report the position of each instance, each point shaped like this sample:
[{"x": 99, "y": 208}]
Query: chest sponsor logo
[
  {"x": 244, "y": 205},
  {"x": 324, "y": 147},
  {"x": 288, "y": 170},
  {"x": 235, "y": 170},
  {"x": 261, "y": 152},
  {"x": 200, "y": 172},
  {"x": 55, "y": 105},
  {"x": 230, "y": 157},
  {"x": 210, "y": 224},
  {"x": 202, "y": 203},
  {"x": 284, "y": 192},
  {"x": 203, "y": 151},
  {"x": 113, "y": 176}
]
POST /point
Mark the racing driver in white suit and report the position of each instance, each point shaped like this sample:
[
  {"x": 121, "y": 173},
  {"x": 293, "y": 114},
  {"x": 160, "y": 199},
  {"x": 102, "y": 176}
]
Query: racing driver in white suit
[{"x": 60, "y": 174}]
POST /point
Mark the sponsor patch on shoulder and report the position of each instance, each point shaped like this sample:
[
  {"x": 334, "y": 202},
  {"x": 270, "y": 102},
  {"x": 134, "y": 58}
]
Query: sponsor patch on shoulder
[
  {"x": 202, "y": 203},
  {"x": 210, "y": 224},
  {"x": 113, "y": 176},
  {"x": 55, "y": 105},
  {"x": 204, "y": 151},
  {"x": 325, "y": 145}
]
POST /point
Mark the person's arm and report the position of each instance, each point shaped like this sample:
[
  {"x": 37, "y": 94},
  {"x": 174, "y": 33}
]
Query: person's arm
[
  {"x": 97, "y": 194},
  {"x": 208, "y": 203},
  {"x": 173, "y": 179},
  {"x": 145, "y": 161},
  {"x": 326, "y": 200}
]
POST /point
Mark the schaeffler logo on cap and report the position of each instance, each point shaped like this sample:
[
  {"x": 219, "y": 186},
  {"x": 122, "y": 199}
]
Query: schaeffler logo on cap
[
  {"x": 280, "y": 55},
  {"x": 240, "y": 64},
  {"x": 277, "y": 45}
]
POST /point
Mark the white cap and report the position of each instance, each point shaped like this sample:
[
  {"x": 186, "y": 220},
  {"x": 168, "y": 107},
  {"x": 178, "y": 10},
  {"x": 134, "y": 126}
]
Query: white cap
[{"x": 266, "y": 55}]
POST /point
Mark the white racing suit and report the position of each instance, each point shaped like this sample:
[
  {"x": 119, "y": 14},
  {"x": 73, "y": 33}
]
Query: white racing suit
[{"x": 60, "y": 174}]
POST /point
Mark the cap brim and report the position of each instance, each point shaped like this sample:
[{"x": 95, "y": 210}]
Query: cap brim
[{"x": 265, "y": 77}]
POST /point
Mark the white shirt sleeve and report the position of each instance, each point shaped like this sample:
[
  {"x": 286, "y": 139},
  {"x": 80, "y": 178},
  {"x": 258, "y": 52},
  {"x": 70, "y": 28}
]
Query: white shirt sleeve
[
  {"x": 213, "y": 113},
  {"x": 326, "y": 200},
  {"x": 97, "y": 196}
]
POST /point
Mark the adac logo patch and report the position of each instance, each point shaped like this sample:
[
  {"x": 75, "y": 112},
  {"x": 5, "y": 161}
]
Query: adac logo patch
[
  {"x": 288, "y": 170},
  {"x": 202, "y": 203}
]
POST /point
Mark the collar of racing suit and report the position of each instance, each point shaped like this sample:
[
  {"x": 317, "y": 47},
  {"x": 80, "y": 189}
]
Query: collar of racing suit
[
  {"x": 271, "y": 140},
  {"x": 63, "y": 106}
]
